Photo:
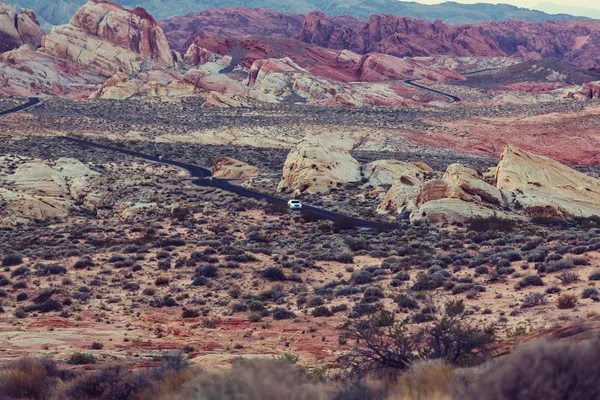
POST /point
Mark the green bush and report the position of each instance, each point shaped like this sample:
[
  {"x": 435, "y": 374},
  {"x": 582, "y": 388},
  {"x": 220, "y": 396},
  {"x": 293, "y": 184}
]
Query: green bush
[
  {"x": 490, "y": 224},
  {"x": 81, "y": 358}
]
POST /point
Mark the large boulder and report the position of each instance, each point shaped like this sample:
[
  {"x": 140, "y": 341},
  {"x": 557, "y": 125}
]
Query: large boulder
[
  {"x": 38, "y": 177},
  {"x": 407, "y": 184},
  {"x": 229, "y": 168},
  {"x": 316, "y": 166},
  {"x": 28, "y": 72},
  {"x": 470, "y": 180},
  {"x": 105, "y": 38},
  {"x": 451, "y": 210},
  {"x": 546, "y": 187},
  {"x": 386, "y": 172},
  {"x": 154, "y": 83},
  {"x": 39, "y": 190},
  {"x": 17, "y": 29}
]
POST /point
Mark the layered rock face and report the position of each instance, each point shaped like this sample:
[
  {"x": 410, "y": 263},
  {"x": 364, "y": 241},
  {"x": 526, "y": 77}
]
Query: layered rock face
[
  {"x": 17, "y": 29},
  {"x": 43, "y": 191},
  {"x": 28, "y": 72},
  {"x": 343, "y": 65},
  {"x": 105, "y": 38},
  {"x": 523, "y": 184},
  {"x": 574, "y": 41},
  {"x": 315, "y": 166},
  {"x": 229, "y": 168},
  {"x": 230, "y": 22},
  {"x": 547, "y": 187}
]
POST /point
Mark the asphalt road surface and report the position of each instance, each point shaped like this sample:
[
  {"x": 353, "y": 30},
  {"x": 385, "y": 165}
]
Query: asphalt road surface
[
  {"x": 453, "y": 99},
  {"x": 224, "y": 184},
  {"x": 32, "y": 102}
]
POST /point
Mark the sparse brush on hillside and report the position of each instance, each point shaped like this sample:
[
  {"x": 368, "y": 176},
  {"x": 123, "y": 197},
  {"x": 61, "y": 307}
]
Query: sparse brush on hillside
[{"x": 522, "y": 375}]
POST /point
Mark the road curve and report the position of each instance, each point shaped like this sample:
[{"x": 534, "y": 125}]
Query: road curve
[
  {"x": 32, "y": 102},
  {"x": 453, "y": 99},
  {"x": 224, "y": 184}
]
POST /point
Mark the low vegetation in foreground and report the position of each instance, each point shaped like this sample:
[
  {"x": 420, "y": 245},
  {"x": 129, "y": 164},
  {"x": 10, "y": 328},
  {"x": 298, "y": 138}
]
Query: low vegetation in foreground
[{"x": 571, "y": 367}]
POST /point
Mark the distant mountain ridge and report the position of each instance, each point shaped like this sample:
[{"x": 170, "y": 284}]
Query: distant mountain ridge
[{"x": 57, "y": 12}]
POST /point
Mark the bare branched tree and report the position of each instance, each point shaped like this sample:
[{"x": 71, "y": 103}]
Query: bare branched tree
[{"x": 385, "y": 346}]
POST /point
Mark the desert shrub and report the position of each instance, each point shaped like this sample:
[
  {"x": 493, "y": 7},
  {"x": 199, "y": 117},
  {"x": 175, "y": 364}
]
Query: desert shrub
[
  {"x": 573, "y": 366},
  {"x": 45, "y": 307},
  {"x": 392, "y": 348},
  {"x": 20, "y": 271},
  {"x": 162, "y": 280},
  {"x": 339, "y": 308},
  {"x": 200, "y": 281},
  {"x": 149, "y": 291},
  {"x": 282, "y": 313},
  {"x": 164, "y": 265},
  {"x": 165, "y": 301},
  {"x": 31, "y": 378},
  {"x": 241, "y": 258},
  {"x": 81, "y": 358},
  {"x": 190, "y": 313},
  {"x": 97, "y": 346},
  {"x": 566, "y": 278},
  {"x": 322, "y": 311},
  {"x": 482, "y": 270},
  {"x": 171, "y": 242},
  {"x": 533, "y": 299},
  {"x": 11, "y": 260},
  {"x": 255, "y": 380},
  {"x": 256, "y": 306},
  {"x": 206, "y": 270},
  {"x": 315, "y": 301},
  {"x": 116, "y": 258},
  {"x": 52, "y": 269},
  {"x": 84, "y": 263},
  {"x": 404, "y": 301},
  {"x": 537, "y": 256},
  {"x": 560, "y": 265},
  {"x": 566, "y": 301},
  {"x": 489, "y": 224},
  {"x": 553, "y": 290},
  {"x": 239, "y": 307},
  {"x": 345, "y": 258},
  {"x": 110, "y": 382},
  {"x": 254, "y": 316},
  {"x": 594, "y": 276},
  {"x": 273, "y": 274},
  {"x": 461, "y": 288},
  {"x": 531, "y": 280},
  {"x": 511, "y": 255},
  {"x": 21, "y": 297},
  {"x": 589, "y": 293},
  {"x": 131, "y": 286}
]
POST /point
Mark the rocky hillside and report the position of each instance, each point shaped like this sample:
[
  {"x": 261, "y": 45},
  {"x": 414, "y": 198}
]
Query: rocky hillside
[
  {"x": 523, "y": 184},
  {"x": 400, "y": 36},
  {"x": 58, "y": 12}
]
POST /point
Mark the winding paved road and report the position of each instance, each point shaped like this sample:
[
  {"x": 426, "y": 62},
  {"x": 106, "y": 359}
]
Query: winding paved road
[
  {"x": 203, "y": 173},
  {"x": 32, "y": 102},
  {"x": 453, "y": 99},
  {"x": 224, "y": 184}
]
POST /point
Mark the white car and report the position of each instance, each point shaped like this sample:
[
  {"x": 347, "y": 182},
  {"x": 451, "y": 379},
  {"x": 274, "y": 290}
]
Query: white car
[{"x": 295, "y": 204}]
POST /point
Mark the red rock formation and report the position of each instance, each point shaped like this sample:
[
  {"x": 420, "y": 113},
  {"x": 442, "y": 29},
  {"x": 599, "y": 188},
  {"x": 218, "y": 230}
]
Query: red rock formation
[
  {"x": 237, "y": 22},
  {"x": 574, "y": 41},
  {"x": 343, "y": 65},
  {"x": 17, "y": 29}
]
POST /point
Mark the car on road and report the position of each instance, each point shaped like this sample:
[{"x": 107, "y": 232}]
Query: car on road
[{"x": 294, "y": 204}]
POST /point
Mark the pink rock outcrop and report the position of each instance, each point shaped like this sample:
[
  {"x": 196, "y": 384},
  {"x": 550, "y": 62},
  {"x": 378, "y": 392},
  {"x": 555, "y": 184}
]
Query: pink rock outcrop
[
  {"x": 106, "y": 38},
  {"x": 17, "y": 29}
]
